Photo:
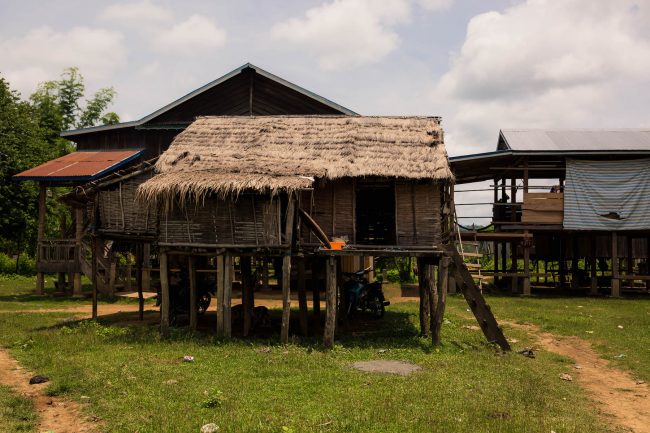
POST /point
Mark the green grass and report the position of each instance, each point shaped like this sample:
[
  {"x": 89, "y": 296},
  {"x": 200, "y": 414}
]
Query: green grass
[
  {"x": 17, "y": 413},
  {"x": 464, "y": 386},
  {"x": 594, "y": 319}
]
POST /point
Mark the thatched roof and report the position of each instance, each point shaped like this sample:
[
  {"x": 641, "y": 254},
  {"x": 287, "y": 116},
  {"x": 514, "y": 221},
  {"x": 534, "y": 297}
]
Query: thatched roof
[{"x": 228, "y": 155}]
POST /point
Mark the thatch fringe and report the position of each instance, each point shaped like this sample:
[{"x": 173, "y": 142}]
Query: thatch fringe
[{"x": 227, "y": 155}]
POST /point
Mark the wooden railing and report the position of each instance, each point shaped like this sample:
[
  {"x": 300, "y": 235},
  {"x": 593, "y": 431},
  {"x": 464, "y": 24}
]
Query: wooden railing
[{"x": 58, "y": 250}]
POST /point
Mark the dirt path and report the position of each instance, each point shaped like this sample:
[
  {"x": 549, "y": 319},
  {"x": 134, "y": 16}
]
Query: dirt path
[
  {"x": 55, "y": 413},
  {"x": 618, "y": 393}
]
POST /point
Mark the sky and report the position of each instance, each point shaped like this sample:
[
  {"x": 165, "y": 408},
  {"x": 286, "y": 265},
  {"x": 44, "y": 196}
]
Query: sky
[{"x": 481, "y": 65}]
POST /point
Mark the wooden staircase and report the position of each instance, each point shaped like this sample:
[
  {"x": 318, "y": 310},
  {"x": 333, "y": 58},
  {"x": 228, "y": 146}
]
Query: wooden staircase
[{"x": 476, "y": 301}]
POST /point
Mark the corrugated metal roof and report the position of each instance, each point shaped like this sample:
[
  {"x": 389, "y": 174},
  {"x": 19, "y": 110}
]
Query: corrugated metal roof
[
  {"x": 79, "y": 166},
  {"x": 574, "y": 140}
]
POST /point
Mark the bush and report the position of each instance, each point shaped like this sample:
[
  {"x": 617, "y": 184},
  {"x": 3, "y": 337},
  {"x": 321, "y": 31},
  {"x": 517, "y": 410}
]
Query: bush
[{"x": 26, "y": 264}]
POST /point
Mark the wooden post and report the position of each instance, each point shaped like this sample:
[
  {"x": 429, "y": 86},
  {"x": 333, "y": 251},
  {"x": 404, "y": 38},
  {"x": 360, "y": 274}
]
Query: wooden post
[
  {"x": 138, "y": 277},
  {"x": 592, "y": 265},
  {"x": 194, "y": 305},
  {"x": 40, "y": 276},
  {"x": 526, "y": 246},
  {"x": 78, "y": 220},
  {"x": 436, "y": 321},
  {"x": 330, "y": 313},
  {"x": 286, "y": 272},
  {"x": 426, "y": 298},
  {"x": 302, "y": 297},
  {"x": 247, "y": 287},
  {"x": 616, "y": 283},
  {"x": 146, "y": 263},
  {"x": 575, "y": 283},
  {"x": 164, "y": 289},
  {"x": 227, "y": 295},
  {"x": 220, "y": 291},
  {"x": 316, "y": 281},
  {"x": 93, "y": 264}
]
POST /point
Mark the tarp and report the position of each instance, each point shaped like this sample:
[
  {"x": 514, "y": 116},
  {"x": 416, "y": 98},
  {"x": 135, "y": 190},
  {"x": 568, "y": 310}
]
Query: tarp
[{"x": 607, "y": 195}]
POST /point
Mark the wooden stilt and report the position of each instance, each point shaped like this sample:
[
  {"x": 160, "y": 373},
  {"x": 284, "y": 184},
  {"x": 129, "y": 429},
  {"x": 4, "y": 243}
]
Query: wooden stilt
[
  {"x": 164, "y": 288},
  {"x": 575, "y": 279},
  {"x": 194, "y": 304},
  {"x": 526, "y": 282},
  {"x": 330, "y": 288},
  {"x": 93, "y": 264},
  {"x": 317, "y": 266},
  {"x": 146, "y": 263},
  {"x": 286, "y": 271},
  {"x": 247, "y": 293},
  {"x": 40, "y": 276},
  {"x": 592, "y": 264},
  {"x": 616, "y": 283},
  {"x": 227, "y": 295},
  {"x": 220, "y": 291},
  {"x": 426, "y": 300},
  {"x": 438, "y": 317},
  {"x": 302, "y": 297},
  {"x": 138, "y": 276}
]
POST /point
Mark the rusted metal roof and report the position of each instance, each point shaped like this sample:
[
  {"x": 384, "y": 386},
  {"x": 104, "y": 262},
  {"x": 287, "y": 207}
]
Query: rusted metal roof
[
  {"x": 628, "y": 140},
  {"x": 79, "y": 166}
]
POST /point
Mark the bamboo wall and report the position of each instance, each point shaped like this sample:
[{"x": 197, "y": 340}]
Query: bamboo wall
[
  {"x": 250, "y": 220},
  {"x": 121, "y": 213},
  {"x": 417, "y": 212}
]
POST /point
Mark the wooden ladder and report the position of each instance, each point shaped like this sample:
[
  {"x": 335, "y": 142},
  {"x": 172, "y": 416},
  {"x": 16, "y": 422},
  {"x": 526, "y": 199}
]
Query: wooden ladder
[
  {"x": 469, "y": 251},
  {"x": 476, "y": 301}
]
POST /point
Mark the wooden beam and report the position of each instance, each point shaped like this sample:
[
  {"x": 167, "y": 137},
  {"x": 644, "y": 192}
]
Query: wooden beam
[
  {"x": 194, "y": 305},
  {"x": 330, "y": 288},
  {"x": 438, "y": 316},
  {"x": 616, "y": 283},
  {"x": 526, "y": 283},
  {"x": 94, "y": 250},
  {"x": 139, "y": 257},
  {"x": 286, "y": 272},
  {"x": 164, "y": 288},
  {"x": 245, "y": 265},
  {"x": 220, "y": 290},
  {"x": 78, "y": 223},
  {"x": 40, "y": 276},
  {"x": 427, "y": 297},
  {"x": 227, "y": 295},
  {"x": 302, "y": 298}
]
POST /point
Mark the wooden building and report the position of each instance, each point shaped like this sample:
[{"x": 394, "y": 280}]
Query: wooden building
[{"x": 570, "y": 209}]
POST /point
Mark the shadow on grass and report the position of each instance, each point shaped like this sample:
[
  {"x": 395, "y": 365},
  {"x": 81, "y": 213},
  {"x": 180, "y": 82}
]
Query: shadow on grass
[{"x": 396, "y": 330}]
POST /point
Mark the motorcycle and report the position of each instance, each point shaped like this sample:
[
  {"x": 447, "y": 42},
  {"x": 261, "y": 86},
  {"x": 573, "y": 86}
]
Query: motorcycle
[
  {"x": 362, "y": 295},
  {"x": 179, "y": 296}
]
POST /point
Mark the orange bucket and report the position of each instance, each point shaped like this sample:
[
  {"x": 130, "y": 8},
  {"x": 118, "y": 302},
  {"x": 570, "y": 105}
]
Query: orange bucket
[{"x": 337, "y": 245}]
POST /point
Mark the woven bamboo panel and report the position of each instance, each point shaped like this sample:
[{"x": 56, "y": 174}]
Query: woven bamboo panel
[
  {"x": 250, "y": 220},
  {"x": 344, "y": 210},
  {"x": 404, "y": 213},
  {"x": 121, "y": 212}
]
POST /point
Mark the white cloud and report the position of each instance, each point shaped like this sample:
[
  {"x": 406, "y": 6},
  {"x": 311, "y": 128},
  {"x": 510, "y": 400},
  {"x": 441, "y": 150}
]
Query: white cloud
[
  {"x": 191, "y": 36},
  {"x": 137, "y": 14},
  {"x": 161, "y": 31},
  {"x": 43, "y": 53},
  {"x": 546, "y": 64},
  {"x": 350, "y": 33}
]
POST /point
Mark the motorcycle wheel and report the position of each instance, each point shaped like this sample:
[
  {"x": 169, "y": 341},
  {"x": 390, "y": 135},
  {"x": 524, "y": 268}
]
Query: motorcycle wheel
[
  {"x": 204, "y": 303},
  {"x": 377, "y": 307}
]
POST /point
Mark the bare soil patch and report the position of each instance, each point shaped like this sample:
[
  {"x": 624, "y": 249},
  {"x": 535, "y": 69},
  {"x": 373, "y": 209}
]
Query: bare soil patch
[
  {"x": 619, "y": 395},
  {"x": 55, "y": 413},
  {"x": 387, "y": 366}
]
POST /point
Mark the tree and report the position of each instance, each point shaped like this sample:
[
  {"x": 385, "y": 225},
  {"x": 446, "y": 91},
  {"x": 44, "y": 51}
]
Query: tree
[
  {"x": 29, "y": 136},
  {"x": 21, "y": 147}
]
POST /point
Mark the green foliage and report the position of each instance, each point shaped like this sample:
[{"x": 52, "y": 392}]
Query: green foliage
[
  {"x": 17, "y": 413},
  {"x": 29, "y": 136},
  {"x": 215, "y": 398},
  {"x": 26, "y": 264}
]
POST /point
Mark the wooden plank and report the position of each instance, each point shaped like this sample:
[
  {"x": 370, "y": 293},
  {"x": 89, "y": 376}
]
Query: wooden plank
[
  {"x": 286, "y": 272},
  {"x": 542, "y": 217},
  {"x": 477, "y": 303},
  {"x": 245, "y": 265},
  {"x": 139, "y": 257},
  {"x": 544, "y": 205},
  {"x": 40, "y": 276},
  {"x": 330, "y": 314},
  {"x": 543, "y": 195},
  {"x": 94, "y": 251}
]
